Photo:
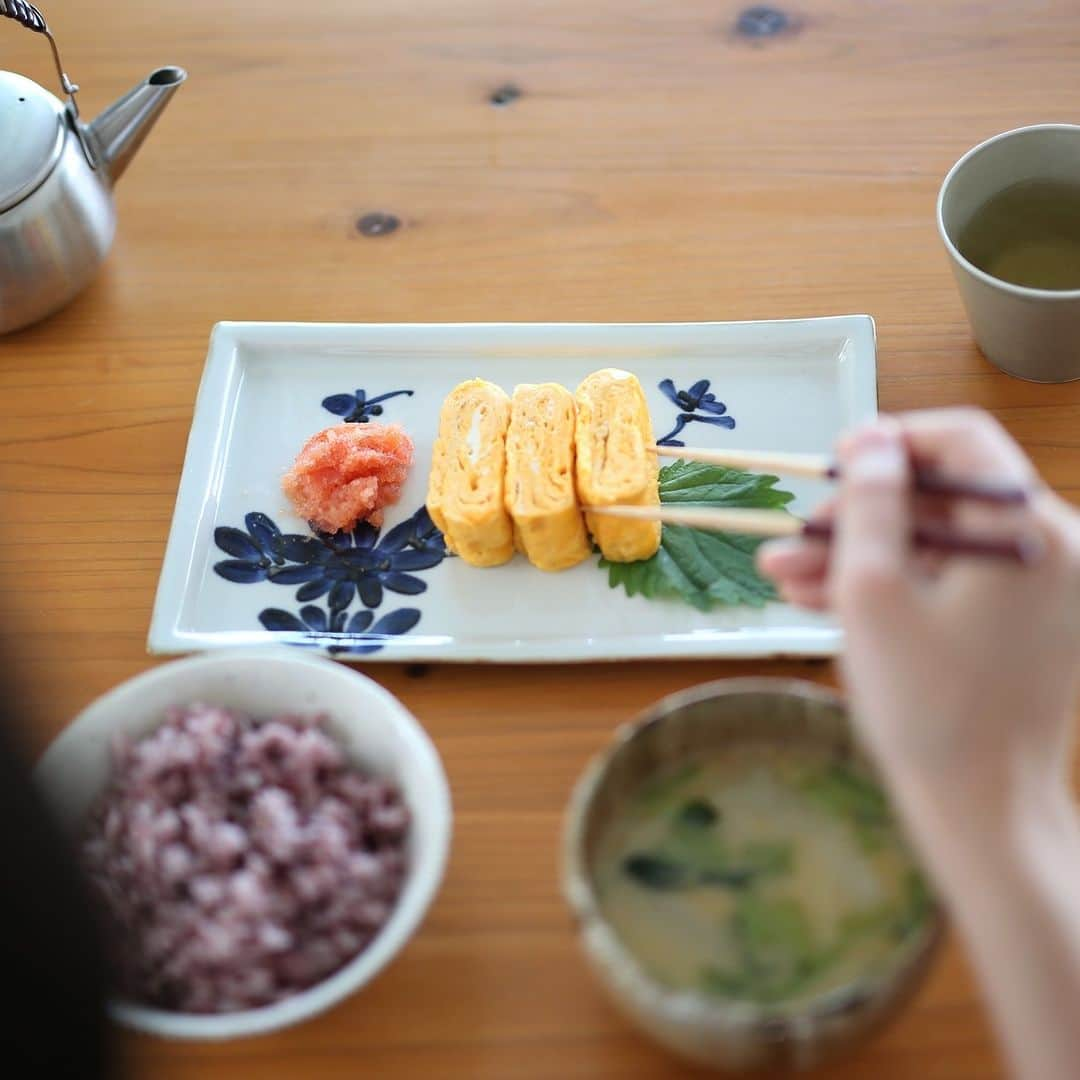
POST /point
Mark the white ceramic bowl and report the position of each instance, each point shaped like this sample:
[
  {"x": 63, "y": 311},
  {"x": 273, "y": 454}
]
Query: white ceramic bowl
[{"x": 378, "y": 733}]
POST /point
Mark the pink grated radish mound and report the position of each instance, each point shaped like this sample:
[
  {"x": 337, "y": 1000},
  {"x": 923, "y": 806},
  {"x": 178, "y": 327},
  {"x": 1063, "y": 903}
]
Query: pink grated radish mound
[
  {"x": 240, "y": 862},
  {"x": 348, "y": 473}
]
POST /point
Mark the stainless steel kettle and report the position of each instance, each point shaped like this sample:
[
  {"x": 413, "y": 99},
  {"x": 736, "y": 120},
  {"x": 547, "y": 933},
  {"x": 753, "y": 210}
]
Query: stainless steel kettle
[{"x": 57, "y": 215}]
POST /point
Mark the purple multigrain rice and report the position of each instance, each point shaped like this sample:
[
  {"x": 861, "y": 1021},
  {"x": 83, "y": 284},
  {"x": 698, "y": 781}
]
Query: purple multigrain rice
[{"x": 240, "y": 861}]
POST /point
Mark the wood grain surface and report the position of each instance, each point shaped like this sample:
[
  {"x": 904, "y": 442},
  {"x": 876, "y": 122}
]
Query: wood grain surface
[{"x": 555, "y": 160}]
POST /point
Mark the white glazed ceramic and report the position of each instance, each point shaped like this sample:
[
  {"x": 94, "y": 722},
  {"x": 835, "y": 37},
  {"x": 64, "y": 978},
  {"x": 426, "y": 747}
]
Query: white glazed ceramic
[
  {"x": 379, "y": 735},
  {"x": 791, "y": 385},
  {"x": 727, "y": 1035}
]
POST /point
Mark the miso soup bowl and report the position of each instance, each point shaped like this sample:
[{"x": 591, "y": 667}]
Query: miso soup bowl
[{"x": 727, "y": 1035}]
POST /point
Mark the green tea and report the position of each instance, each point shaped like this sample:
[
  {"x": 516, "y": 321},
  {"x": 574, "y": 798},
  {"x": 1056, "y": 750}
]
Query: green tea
[
  {"x": 765, "y": 874},
  {"x": 1028, "y": 234}
]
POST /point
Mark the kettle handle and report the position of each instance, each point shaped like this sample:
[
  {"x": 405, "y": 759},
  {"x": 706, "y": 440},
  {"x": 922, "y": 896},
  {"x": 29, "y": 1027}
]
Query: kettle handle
[{"x": 32, "y": 18}]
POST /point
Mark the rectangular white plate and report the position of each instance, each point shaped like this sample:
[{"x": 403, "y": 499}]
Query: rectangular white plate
[{"x": 789, "y": 385}]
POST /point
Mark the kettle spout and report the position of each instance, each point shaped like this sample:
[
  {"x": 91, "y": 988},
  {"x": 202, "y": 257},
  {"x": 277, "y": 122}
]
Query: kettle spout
[{"x": 116, "y": 135}]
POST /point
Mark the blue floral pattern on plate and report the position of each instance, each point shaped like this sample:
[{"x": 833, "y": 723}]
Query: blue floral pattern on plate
[
  {"x": 330, "y": 627},
  {"x": 340, "y": 566},
  {"x": 692, "y": 403},
  {"x": 358, "y": 408}
]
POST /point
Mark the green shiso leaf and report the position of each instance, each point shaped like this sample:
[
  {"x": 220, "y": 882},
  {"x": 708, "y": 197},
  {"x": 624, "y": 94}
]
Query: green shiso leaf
[{"x": 704, "y": 569}]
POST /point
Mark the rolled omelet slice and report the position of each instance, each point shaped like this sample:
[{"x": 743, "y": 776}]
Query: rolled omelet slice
[
  {"x": 541, "y": 499},
  {"x": 616, "y": 462},
  {"x": 467, "y": 482}
]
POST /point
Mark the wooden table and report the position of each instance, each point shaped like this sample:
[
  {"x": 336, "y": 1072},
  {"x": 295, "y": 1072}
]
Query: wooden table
[{"x": 568, "y": 159}]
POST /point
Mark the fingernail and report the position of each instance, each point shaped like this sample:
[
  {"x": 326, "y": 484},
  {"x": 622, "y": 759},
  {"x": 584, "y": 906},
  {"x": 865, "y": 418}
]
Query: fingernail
[
  {"x": 877, "y": 450},
  {"x": 777, "y": 548},
  {"x": 883, "y": 430},
  {"x": 867, "y": 434}
]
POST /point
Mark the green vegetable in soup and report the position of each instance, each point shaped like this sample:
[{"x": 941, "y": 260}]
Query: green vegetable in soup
[
  {"x": 775, "y": 857},
  {"x": 773, "y": 934},
  {"x": 762, "y": 874},
  {"x": 779, "y": 956},
  {"x": 698, "y": 814},
  {"x": 855, "y": 798},
  {"x": 694, "y": 852},
  {"x": 848, "y": 794},
  {"x": 656, "y": 872},
  {"x": 776, "y": 951}
]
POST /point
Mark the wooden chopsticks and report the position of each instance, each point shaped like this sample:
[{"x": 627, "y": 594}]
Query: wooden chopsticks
[
  {"x": 819, "y": 467},
  {"x": 781, "y": 523},
  {"x": 711, "y": 518}
]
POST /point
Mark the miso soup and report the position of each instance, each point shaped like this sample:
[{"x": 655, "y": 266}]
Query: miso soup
[{"x": 765, "y": 874}]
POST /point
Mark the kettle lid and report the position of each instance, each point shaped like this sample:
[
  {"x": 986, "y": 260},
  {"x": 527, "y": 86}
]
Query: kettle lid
[{"x": 32, "y": 133}]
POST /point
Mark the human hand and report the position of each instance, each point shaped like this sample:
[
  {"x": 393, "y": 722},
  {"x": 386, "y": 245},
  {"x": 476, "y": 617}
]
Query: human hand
[{"x": 963, "y": 672}]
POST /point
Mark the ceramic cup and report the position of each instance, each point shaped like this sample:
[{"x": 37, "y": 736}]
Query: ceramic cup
[{"x": 1033, "y": 334}]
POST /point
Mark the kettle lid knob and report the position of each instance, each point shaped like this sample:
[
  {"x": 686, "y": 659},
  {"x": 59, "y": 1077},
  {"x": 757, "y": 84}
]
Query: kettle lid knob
[{"x": 32, "y": 132}]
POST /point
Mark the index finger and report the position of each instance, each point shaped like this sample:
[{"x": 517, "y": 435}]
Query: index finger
[{"x": 966, "y": 443}]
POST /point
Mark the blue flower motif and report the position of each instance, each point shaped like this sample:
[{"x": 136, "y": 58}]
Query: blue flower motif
[
  {"x": 698, "y": 399},
  {"x": 358, "y": 408},
  {"x": 341, "y": 634},
  {"x": 259, "y": 554},
  {"x": 338, "y": 565}
]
